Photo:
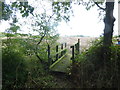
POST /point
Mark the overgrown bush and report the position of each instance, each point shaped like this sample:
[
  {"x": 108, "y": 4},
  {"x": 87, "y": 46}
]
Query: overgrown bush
[
  {"x": 13, "y": 64},
  {"x": 21, "y": 68},
  {"x": 90, "y": 71},
  {"x": 37, "y": 76}
]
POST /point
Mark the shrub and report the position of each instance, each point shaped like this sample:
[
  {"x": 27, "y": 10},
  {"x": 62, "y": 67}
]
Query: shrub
[
  {"x": 21, "y": 68},
  {"x": 89, "y": 70},
  {"x": 13, "y": 64}
]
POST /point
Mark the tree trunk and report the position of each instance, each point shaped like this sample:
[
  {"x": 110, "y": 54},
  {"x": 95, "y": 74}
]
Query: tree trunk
[
  {"x": 109, "y": 23},
  {"x": 108, "y": 31},
  {"x": 107, "y": 40}
]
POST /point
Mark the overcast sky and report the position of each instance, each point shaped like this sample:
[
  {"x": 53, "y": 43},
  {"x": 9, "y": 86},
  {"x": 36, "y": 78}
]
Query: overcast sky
[
  {"x": 83, "y": 23},
  {"x": 86, "y": 22}
]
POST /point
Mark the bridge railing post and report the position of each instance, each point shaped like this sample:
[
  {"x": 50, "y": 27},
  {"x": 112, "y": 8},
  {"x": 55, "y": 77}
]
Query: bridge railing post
[
  {"x": 49, "y": 60},
  {"x": 65, "y": 45},
  {"x": 75, "y": 50},
  {"x": 73, "y": 53},
  {"x": 61, "y": 49},
  {"x": 56, "y": 52},
  {"x": 78, "y": 46}
]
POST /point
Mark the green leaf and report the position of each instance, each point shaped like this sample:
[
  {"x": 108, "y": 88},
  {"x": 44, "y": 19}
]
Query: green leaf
[{"x": 14, "y": 28}]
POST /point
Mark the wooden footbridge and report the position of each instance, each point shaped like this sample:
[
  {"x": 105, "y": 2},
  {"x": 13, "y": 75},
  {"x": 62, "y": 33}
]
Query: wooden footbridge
[{"x": 63, "y": 57}]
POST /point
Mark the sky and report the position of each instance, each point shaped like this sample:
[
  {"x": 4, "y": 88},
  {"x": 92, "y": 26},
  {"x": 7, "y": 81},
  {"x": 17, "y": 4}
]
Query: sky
[
  {"x": 86, "y": 22},
  {"x": 83, "y": 22}
]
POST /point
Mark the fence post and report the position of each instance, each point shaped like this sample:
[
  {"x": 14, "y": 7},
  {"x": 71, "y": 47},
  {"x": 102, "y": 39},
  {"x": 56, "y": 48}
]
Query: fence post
[
  {"x": 49, "y": 62},
  {"x": 72, "y": 53},
  {"x": 56, "y": 52}
]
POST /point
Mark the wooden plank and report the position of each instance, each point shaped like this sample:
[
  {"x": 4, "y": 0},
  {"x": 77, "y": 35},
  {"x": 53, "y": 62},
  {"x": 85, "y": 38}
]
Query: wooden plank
[
  {"x": 57, "y": 55},
  {"x": 57, "y": 61},
  {"x": 63, "y": 65}
]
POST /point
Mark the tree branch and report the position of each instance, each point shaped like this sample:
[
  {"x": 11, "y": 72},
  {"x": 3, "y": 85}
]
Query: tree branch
[
  {"x": 45, "y": 30},
  {"x": 36, "y": 53},
  {"x": 99, "y": 6}
]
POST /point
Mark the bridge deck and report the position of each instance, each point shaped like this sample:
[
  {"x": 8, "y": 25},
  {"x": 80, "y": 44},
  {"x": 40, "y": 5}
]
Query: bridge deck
[{"x": 62, "y": 65}]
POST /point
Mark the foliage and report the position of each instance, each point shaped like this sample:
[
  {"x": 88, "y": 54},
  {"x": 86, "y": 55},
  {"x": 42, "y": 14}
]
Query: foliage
[
  {"x": 21, "y": 68},
  {"x": 37, "y": 76},
  {"x": 13, "y": 61},
  {"x": 90, "y": 71},
  {"x": 14, "y": 28},
  {"x": 8, "y": 9},
  {"x": 2, "y": 35},
  {"x": 62, "y": 10},
  {"x": 44, "y": 25}
]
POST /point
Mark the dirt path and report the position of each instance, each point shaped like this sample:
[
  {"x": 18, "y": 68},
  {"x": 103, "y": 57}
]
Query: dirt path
[{"x": 62, "y": 80}]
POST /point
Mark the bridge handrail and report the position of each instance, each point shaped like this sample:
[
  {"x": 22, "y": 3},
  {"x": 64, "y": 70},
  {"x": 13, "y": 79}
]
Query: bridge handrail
[
  {"x": 58, "y": 52},
  {"x": 57, "y": 61},
  {"x": 50, "y": 60}
]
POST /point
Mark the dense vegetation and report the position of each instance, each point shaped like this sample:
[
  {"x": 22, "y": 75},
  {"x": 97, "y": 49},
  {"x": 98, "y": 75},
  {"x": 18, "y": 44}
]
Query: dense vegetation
[
  {"x": 91, "y": 71},
  {"x": 21, "y": 67},
  {"x": 25, "y": 59}
]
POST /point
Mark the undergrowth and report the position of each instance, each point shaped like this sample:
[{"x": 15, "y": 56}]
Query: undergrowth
[
  {"x": 21, "y": 68},
  {"x": 89, "y": 70}
]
